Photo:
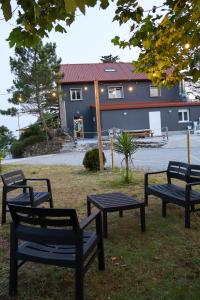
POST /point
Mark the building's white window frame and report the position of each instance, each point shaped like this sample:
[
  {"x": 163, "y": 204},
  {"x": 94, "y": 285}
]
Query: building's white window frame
[
  {"x": 182, "y": 111},
  {"x": 116, "y": 86},
  {"x": 81, "y": 94},
  {"x": 154, "y": 87}
]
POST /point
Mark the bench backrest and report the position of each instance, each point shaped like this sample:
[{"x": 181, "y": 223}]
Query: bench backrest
[
  {"x": 183, "y": 171},
  {"x": 14, "y": 177},
  {"x": 177, "y": 170},
  {"x": 45, "y": 225},
  {"x": 193, "y": 173}
]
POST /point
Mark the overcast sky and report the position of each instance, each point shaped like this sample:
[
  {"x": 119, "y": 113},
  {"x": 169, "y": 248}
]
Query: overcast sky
[{"x": 85, "y": 42}]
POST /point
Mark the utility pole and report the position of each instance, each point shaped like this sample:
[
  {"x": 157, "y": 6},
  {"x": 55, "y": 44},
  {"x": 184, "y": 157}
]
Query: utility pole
[{"x": 98, "y": 118}]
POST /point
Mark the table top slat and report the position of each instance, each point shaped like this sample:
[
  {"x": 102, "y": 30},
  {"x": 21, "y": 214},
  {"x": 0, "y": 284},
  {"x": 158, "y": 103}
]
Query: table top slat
[{"x": 116, "y": 200}]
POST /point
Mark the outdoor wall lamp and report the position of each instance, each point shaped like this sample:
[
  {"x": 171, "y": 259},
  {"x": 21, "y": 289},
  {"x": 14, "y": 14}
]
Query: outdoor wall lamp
[
  {"x": 187, "y": 46},
  {"x": 102, "y": 90},
  {"x": 130, "y": 88},
  {"x": 85, "y": 88},
  {"x": 124, "y": 113}
]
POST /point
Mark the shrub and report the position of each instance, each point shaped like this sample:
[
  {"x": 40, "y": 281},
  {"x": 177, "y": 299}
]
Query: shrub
[
  {"x": 91, "y": 160},
  {"x": 18, "y": 147},
  {"x": 32, "y": 130}
]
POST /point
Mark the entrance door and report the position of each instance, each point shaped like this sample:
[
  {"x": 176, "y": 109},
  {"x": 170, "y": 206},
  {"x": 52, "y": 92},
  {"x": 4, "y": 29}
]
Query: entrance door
[
  {"x": 78, "y": 127},
  {"x": 155, "y": 122}
]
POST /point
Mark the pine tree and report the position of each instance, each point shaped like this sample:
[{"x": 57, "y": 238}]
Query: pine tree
[
  {"x": 109, "y": 58},
  {"x": 34, "y": 89}
]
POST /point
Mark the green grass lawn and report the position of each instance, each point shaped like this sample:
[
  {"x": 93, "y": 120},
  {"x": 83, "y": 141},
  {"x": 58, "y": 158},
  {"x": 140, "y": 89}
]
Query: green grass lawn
[{"x": 163, "y": 263}]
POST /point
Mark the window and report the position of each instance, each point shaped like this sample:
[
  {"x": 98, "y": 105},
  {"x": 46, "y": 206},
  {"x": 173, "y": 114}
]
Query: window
[
  {"x": 76, "y": 94},
  {"x": 110, "y": 70},
  {"x": 183, "y": 115},
  {"x": 115, "y": 92},
  {"x": 155, "y": 91}
]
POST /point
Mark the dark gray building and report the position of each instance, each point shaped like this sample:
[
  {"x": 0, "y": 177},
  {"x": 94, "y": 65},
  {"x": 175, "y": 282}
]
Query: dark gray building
[{"x": 128, "y": 101}]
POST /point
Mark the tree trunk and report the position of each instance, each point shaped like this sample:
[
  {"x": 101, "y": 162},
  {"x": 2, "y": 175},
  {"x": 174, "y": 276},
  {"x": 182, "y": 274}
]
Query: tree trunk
[{"x": 127, "y": 170}]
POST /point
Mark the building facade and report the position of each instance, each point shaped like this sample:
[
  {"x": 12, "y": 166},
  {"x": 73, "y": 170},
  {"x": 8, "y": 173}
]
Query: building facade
[{"x": 128, "y": 101}]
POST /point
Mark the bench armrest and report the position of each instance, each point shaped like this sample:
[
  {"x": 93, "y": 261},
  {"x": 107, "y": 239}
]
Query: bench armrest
[
  {"x": 41, "y": 179},
  {"x": 157, "y": 172},
  {"x": 23, "y": 186},
  {"x": 146, "y": 175},
  {"x": 89, "y": 219},
  {"x": 192, "y": 184}
]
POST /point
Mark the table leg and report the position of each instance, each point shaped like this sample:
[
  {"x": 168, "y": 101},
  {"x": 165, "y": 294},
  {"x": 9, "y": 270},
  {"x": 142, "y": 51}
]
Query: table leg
[
  {"x": 88, "y": 208},
  {"x": 142, "y": 218},
  {"x": 105, "y": 224},
  {"x": 121, "y": 213}
]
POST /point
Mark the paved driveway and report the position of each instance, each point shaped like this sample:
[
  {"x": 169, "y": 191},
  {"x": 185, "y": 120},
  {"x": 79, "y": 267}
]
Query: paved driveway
[{"x": 144, "y": 158}]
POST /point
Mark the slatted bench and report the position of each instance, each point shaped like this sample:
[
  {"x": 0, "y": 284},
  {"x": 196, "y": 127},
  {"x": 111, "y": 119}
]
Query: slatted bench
[
  {"x": 172, "y": 193},
  {"x": 16, "y": 180}
]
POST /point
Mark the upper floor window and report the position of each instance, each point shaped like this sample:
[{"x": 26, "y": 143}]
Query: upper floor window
[
  {"x": 76, "y": 94},
  {"x": 155, "y": 91},
  {"x": 110, "y": 70},
  {"x": 115, "y": 92},
  {"x": 183, "y": 115}
]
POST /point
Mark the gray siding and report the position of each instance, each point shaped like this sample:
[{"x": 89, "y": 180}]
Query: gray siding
[
  {"x": 80, "y": 108},
  {"x": 134, "y": 119},
  {"x": 140, "y": 92}
]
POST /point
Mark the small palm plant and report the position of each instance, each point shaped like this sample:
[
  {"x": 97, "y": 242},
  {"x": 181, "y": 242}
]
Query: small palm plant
[{"x": 125, "y": 145}]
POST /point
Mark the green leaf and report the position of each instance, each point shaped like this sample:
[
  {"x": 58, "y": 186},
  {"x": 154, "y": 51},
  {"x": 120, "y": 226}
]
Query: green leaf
[
  {"x": 104, "y": 4},
  {"x": 6, "y": 8},
  {"x": 147, "y": 44},
  {"x": 116, "y": 40},
  {"x": 60, "y": 28},
  {"x": 70, "y": 6}
]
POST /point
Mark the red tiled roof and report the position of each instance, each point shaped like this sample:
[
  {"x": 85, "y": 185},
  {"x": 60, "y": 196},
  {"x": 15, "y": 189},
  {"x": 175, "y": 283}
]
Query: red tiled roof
[
  {"x": 137, "y": 105},
  {"x": 90, "y": 72}
]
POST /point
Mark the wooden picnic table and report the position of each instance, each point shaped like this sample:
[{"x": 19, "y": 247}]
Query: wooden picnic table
[{"x": 140, "y": 132}]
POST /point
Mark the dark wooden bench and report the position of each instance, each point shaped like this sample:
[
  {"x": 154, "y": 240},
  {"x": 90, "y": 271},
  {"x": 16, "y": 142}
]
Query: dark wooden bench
[
  {"x": 173, "y": 193},
  {"x": 54, "y": 237},
  {"x": 16, "y": 180}
]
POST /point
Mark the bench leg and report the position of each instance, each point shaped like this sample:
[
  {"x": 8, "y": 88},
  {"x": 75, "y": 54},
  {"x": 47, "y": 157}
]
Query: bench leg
[
  {"x": 79, "y": 279},
  {"x": 146, "y": 198},
  {"x": 187, "y": 217},
  {"x": 105, "y": 224},
  {"x": 13, "y": 264},
  {"x": 164, "y": 208},
  {"x": 121, "y": 213},
  {"x": 100, "y": 246},
  {"x": 51, "y": 202},
  {"x": 3, "y": 215},
  {"x": 142, "y": 218},
  {"x": 88, "y": 208}
]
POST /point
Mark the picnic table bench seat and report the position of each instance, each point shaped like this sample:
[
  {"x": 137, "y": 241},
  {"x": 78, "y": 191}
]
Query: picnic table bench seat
[{"x": 184, "y": 196}]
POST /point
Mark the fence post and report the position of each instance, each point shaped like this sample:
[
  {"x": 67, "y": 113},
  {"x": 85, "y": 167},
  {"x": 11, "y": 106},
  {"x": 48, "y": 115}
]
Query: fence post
[
  {"x": 188, "y": 145},
  {"x": 112, "y": 151}
]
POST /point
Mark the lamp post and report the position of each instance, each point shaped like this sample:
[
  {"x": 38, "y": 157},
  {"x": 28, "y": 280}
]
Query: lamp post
[
  {"x": 18, "y": 114},
  {"x": 98, "y": 118}
]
